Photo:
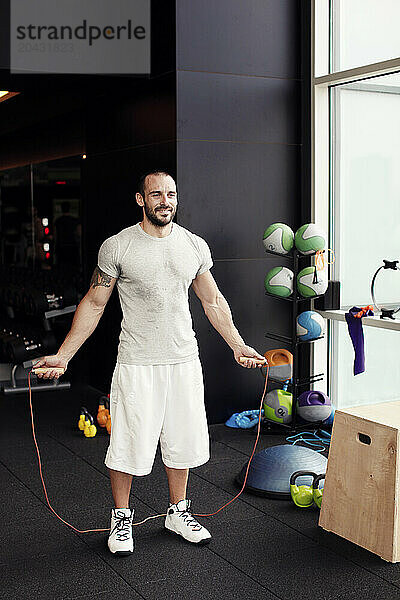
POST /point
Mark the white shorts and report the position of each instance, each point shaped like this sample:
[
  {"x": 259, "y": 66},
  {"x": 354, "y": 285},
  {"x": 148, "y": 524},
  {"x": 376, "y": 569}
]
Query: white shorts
[{"x": 149, "y": 403}]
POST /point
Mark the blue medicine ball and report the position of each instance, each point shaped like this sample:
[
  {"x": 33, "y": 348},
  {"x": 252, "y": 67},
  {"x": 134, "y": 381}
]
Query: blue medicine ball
[{"x": 310, "y": 325}]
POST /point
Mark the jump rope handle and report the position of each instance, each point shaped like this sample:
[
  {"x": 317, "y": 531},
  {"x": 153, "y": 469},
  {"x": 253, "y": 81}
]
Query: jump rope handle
[
  {"x": 60, "y": 370},
  {"x": 258, "y": 361}
]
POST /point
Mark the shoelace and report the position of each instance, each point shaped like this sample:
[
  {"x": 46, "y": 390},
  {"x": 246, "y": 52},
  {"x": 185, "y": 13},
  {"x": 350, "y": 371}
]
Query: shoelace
[
  {"x": 123, "y": 525},
  {"x": 189, "y": 519}
]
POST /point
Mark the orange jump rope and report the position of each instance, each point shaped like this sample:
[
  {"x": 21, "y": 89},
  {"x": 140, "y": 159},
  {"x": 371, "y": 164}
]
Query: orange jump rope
[{"x": 61, "y": 371}]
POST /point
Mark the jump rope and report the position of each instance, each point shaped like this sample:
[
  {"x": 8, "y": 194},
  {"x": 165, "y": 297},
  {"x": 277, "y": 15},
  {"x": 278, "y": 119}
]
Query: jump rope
[
  {"x": 42, "y": 370},
  {"x": 319, "y": 265}
]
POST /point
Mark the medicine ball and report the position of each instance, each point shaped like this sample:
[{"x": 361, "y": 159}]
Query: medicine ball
[
  {"x": 279, "y": 281},
  {"x": 278, "y": 406},
  {"x": 313, "y": 406},
  {"x": 279, "y": 238},
  {"x": 309, "y": 238},
  {"x": 311, "y": 282},
  {"x": 280, "y": 363},
  {"x": 310, "y": 325}
]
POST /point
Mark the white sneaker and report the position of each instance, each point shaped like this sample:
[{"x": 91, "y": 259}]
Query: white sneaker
[
  {"x": 120, "y": 540},
  {"x": 180, "y": 520}
]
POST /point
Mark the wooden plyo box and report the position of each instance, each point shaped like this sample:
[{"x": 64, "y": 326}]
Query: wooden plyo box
[{"x": 361, "y": 499}]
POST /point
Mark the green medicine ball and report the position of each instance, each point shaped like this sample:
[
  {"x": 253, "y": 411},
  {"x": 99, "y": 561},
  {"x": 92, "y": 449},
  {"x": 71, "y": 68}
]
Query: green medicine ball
[
  {"x": 278, "y": 406},
  {"x": 309, "y": 238},
  {"x": 279, "y": 281},
  {"x": 312, "y": 283},
  {"x": 279, "y": 238}
]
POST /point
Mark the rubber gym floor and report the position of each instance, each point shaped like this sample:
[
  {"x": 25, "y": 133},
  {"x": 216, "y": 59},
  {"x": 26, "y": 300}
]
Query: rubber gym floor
[{"x": 261, "y": 548}]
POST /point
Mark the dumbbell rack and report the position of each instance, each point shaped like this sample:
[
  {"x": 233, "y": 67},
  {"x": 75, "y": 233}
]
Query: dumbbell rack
[
  {"x": 31, "y": 297},
  {"x": 55, "y": 384},
  {"x": 294, "y": 344}
]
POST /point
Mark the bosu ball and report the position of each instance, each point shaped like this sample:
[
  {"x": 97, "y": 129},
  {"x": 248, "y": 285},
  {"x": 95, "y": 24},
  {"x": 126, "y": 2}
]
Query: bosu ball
[{"x": 271, "y": 469}]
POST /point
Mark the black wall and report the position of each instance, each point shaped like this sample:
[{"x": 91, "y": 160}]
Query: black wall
[
  {"x": 238, "y": 161},
  {"x": 126, "y": 135},
  {"x": 225, "y": 111}
]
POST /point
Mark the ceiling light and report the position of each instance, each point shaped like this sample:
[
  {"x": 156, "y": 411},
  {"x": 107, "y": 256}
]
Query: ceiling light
[{"x": 7, "y": 95}]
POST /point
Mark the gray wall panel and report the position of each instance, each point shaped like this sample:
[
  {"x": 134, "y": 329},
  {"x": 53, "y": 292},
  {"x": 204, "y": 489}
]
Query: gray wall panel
[
  {"x": 229, "y": 387},
  {"x": 231, "y": 192},
  {"x": 238, "y": 163},
  {"x": 144, "y": 113},
  {"x": 254, "y": 37},
  {"x": 230, "y": 107}
]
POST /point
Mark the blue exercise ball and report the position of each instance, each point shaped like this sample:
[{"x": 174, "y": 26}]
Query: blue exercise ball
[{"x": 271, "y": 469}]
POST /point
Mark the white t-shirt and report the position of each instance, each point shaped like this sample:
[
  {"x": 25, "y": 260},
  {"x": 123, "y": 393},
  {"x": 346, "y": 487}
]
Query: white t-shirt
[{"x": 154, "y": 275}]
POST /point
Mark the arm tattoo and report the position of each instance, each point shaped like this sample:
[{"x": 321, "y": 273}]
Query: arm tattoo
[{"x": 100, "y": 278}]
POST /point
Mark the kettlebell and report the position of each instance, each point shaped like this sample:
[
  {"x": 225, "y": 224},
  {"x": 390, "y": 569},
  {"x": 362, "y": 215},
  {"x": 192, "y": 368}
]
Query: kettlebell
[
  {"x": 102, "y": 413},
  {"x": 302, "y": 495},
  {"x": 82, "y": 418},
  {"x": 317, "y": 492},
  {"x": 108, "y": 424},
  {"x": 90, "y": 428}
]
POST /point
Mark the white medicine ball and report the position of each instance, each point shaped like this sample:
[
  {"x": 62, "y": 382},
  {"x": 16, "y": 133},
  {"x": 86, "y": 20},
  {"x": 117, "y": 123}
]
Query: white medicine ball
[
  {"x": 279, "y": 281},
  {"x": 311, "y": 282},
  {"x": 279, "y": 238},
  {"x": 309, "y": 238}
]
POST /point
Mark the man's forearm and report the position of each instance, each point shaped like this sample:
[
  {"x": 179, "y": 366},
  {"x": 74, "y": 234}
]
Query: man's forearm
[
  {"x": 220, "y": 316},
  {"x": 85, "y": 321}
]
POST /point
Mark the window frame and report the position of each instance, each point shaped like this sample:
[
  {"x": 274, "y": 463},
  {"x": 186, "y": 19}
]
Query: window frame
[{"x": 322, "y": 183}]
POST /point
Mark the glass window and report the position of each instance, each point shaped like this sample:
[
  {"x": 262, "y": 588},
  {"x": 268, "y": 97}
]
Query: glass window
[
  {"x": 365, "y": 229},
  {"x": 364, "y": 32},
  {"x": 366, "y": 187},
  {"x": 381, "y": 380}
]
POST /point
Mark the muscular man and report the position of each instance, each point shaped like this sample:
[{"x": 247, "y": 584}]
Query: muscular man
[{"x": 157, "y": 391}]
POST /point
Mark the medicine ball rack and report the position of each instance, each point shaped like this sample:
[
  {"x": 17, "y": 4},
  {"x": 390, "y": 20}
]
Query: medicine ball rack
[{"x": 294, "y": 345}]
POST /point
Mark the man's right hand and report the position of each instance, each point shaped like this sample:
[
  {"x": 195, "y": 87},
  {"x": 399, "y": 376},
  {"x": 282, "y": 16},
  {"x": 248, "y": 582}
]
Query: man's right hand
[{"x": 50, "y": 361}]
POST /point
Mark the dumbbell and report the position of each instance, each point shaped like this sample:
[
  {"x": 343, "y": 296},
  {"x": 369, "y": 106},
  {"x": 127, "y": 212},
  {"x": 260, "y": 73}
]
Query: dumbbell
[
  {"x": 8, "y": 331},
  {"x": 38, "y": 302},
  {"x": 20, "y": 348}
]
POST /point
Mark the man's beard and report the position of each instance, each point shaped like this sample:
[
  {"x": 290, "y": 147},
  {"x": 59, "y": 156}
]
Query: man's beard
[{"x": 153, "y": 217}]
